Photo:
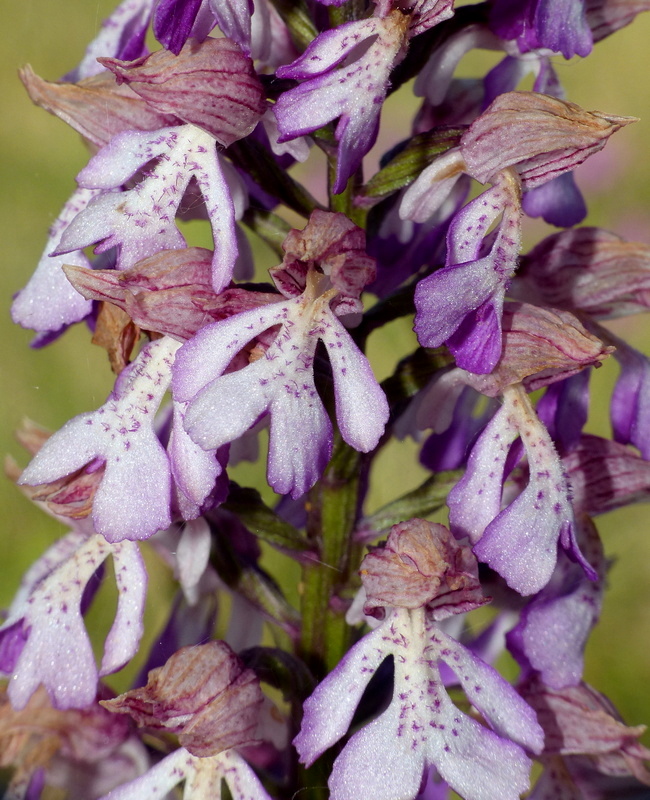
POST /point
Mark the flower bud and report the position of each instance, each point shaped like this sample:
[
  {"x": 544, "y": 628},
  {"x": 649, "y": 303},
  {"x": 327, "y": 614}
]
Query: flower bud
[
  {"x": 211, "y": 84},
  {"x": 539, "y": 135},
  {"x": 204, "y": 694},
  {"x": 540, "y": 346},
  {"x": 579, "y": 720},
  {"x": 589, "y": 269},
  {"x": 335, "y": 245},
  {"x": 421, "y": 564},
  {"x": 605, "y": 475}
]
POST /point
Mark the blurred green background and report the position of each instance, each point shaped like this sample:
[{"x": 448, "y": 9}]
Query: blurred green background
[{"x": 39, "y": 157}]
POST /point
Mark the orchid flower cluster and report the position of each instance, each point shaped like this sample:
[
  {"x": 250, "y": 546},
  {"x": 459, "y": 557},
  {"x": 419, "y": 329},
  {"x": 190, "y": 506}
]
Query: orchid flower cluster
[{"x": 378, "y": 677}]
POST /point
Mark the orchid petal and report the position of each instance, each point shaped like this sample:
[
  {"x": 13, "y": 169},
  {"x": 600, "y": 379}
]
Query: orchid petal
[
  {"x": 158, "y": 781},
  {"x": 326, "y": 94},
  {"x": 122, "y": 35},
  {"x": 205, "y": 357},
  {"x": 123, "y": 639},
  {"x": 342, "y": 690},
  {"x": 131, "y": 502},
  {"x": 361, "y": 405},
  {"x": 49, "y": 301},
  {"x": 141, "y": 221}
]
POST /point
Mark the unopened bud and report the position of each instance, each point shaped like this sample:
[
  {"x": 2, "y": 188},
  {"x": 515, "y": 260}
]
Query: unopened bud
[
  {"x": 204, "y": 694},
  {"x": 421, "y": 564},
  {"x": 540, "y": 346},
  {"x": 211, "y": 84},
  {"x": 539, "y": 135}
]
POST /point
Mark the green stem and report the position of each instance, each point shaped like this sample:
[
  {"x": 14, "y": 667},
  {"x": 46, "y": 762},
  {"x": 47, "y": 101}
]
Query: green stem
[
  {"x": 333, "y": 510},
  {"x": 352, "y": 10},
  {"x": 296, "y": 17},
  {"x": 344, "y": 201}
]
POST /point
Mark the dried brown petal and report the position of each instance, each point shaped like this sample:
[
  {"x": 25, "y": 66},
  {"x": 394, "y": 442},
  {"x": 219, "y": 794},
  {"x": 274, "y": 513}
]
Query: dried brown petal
[
  {"x": 203, "y": 694},
  {"x": 96, "y": 107},
  {"x": 211, "y": 84},
  {"x": 169, "y": 293},
  {"x": 605, "y": 475},
  {"x": 588, "y": 269},
  {"x": 539, "y": 135},
  {"x": 31, "y": 737},
  {"x": 421, "y": 564},
  {"x": 540, "y": 346},
  {"x": 32, "y": 436},
  {"x": 578, "y": 720},
  {"x": 336, "y": 246},
  {"x": 117, "y": 334},
  {"x": 71, "y": 496}
]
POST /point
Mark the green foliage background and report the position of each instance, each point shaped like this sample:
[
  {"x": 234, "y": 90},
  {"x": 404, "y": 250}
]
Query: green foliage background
[{"x": 39, "y": 157}]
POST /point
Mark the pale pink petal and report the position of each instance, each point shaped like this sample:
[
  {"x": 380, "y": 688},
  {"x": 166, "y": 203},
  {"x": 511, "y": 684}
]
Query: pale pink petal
[
  {"x": 133, "y": 498},
  {"x": 193, "y": 553},
  {"x": 157, "y": 782},
  {"x": 341, "y": 690},
  {"x": 497, "y": 700},
  {"x": 228, "y": 406},
  {"x": 205, "y": 357},
  {"x": 142, "y": 220},
  {"x": 123, "y": 639},
  {"x": 49, "y": 301},
  {"x": 58, "y": 652},
  {"x": 301, "y": 437},
  {"x": 361, "y": 405}
]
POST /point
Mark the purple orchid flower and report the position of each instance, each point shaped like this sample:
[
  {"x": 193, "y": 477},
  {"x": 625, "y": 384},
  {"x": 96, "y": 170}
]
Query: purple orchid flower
[
  {"x": 499, "y": 148},
  {"x": 55, "y": 649},
  {"x": 122, "y": 36},
  {"x": 133, "y": 499},
  {"x": 49, "y": 301},
  {"x": 564, "y": 409},
  {"x": 324, "y": 271},
  {"x": 558, "y": 25},
  {"x": 421, "y": 728},
  {"x": 281, "y": 383},
  {"x": 630, "y": 406},
  {"x": 462, "y": 303},
  {"x": 175, "y": 21},
  {"x": 353, "y": 93},
  {"x": 519, "y": 542},
  {"x": 552, "y": 632},
  {"x": 141, "y": 220}
]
